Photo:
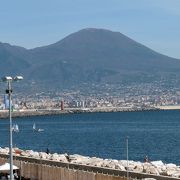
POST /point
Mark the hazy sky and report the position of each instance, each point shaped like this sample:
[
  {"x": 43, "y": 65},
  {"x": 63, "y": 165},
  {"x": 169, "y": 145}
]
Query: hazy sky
[{"x": 32, "y": 23}]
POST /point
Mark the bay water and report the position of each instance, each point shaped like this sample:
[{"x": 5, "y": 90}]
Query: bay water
[{"x": 152, "y": 133}]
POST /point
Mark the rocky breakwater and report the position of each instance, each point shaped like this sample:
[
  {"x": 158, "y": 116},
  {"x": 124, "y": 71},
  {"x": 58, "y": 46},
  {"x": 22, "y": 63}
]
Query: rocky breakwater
[{"x": 154, "y": 167}]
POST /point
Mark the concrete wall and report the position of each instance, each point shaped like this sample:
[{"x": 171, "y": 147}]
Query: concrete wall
[{"x": 38, "y": 169}]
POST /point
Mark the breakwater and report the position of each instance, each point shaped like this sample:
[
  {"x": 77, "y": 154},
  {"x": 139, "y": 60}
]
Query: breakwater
[
  {"x": 42, "y": 166},
  {"x": 43, "y": 112},
  {"x": 34, "y": 112}
]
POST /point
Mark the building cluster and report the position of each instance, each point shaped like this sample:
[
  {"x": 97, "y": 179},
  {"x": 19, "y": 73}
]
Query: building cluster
[{"x": 102, "y": 96}]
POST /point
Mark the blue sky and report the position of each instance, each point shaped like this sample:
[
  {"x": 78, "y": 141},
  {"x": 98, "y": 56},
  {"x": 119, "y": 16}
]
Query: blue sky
[{"x": 33, "y": 23}]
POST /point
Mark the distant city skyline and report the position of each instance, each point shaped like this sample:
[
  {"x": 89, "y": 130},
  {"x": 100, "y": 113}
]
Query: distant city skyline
[{"x": 154, "y": 23}]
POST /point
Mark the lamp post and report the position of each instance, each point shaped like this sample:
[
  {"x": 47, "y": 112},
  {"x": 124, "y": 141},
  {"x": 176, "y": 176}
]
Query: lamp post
[
  {"x": 9, "y": 80},
  {"x": 127, "y": 155}
]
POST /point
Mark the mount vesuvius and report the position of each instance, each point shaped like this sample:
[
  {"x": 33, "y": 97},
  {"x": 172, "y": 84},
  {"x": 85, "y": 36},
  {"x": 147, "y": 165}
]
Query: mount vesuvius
[{"x": 88, "y": 56}]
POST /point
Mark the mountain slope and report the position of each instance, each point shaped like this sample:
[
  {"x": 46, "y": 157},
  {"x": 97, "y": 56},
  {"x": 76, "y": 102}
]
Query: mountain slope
[
  {"x": 12, "y": 60},
  {"x": 89, "y": 56}
]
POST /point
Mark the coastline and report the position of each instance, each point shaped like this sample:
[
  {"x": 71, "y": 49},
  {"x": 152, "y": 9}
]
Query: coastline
[
  {"x": 170, "y": 107},
  {"x": 45, "y": 112},
  {"x": 139, "y": 170}
]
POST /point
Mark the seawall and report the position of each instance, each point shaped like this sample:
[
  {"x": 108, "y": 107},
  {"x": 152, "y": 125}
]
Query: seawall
[{"x": 40, "y": 169}]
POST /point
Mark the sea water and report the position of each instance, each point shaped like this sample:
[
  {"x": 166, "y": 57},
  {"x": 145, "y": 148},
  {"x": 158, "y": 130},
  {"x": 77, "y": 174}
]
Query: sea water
[{"x": 152, "y": 133}]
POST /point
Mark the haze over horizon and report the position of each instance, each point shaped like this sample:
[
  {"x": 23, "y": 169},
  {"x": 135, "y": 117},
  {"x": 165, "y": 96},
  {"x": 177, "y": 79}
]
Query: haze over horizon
[{"x": 37, "y": 23}]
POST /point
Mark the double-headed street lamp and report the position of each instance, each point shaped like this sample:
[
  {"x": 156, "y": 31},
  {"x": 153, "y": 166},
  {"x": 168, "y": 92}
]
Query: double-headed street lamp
[{"x": 9, "y": 80}]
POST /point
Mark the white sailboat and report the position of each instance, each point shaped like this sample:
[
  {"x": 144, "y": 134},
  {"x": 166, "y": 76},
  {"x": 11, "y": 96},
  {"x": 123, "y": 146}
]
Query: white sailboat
[
  {"x": 34, "y": 127},
  {"x": 15, "y": 128},
  {"x": 37, "y": 130}
]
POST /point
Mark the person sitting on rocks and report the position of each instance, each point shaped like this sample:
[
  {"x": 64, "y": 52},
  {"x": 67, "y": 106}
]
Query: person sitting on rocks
[
  {"x": 67, "y": 157},
  {"x": 146, "y": 159}
]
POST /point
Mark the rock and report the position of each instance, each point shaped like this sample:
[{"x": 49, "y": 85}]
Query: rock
[
  {"x": 146, "y": 166},
  {"x": 63, "y": 158},
  {"x": 170, "y": 165},
  {"x": 94, "y": 161},
  {"x": 138, "y": 169},
  {"x": 162, "y": 170},
  {"x": 105, "y": 163},
  {"x": 120, "y": 167},
  {"x": 29, "y": 153},
  {"x": 112, "y": 165},
  {"x": 23, "y": 153},
  {"x": 176, "y": 174},
  {"x": 115, "y": 161},
  {"x": 58, "y": 157},
  {"x": 44, "y": 155},
  {"x": 54, "y": 157},
  {"x": 34, "y": 155},
  {"x": 157, "y": 163},
  {"x": 98, "y": 164},
  {"x": 123, "y": 163},
  {"x": 154, "y": 167},
  {"x": 151, "y": 170},
  {"x": 171, "y": 172},
  {"x": 171, "y": 169},
  {"x": 164, "y": 173},
  {"x": 4, "y": 150},
  {"x": 78, "y": 159},
  {"x": 160, "y": 166},
  {"x": 75, "y": 157}
]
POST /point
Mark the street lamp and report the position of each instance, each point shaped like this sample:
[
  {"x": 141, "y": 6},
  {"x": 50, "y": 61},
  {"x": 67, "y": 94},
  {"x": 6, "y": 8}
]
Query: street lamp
[
  {"x": 9, "y": 80},
  {"x": 127, "y": 155}
]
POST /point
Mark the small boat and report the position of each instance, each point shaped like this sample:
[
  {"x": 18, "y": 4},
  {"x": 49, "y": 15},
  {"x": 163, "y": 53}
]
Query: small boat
[
  {"x": 40, "y": 130},
  {"x": 15, "y": 128},
  {"x": 37, "y": 130}
]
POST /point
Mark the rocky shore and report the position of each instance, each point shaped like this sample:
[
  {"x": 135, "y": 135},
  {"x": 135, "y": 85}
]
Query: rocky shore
[{"x": 154, "y": 167}]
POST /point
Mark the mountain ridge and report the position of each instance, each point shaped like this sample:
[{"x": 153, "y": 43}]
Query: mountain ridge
[{"x": 88, "y": 56}]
